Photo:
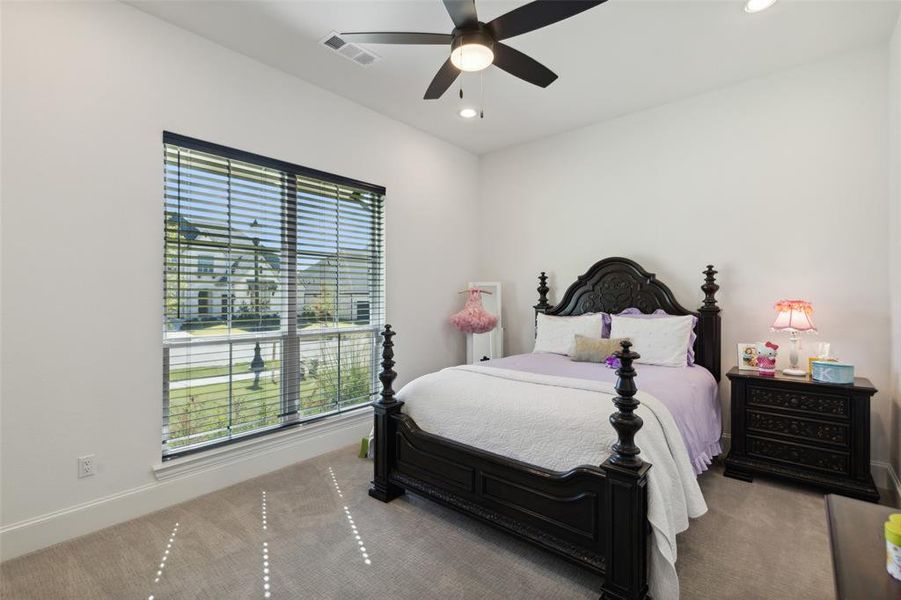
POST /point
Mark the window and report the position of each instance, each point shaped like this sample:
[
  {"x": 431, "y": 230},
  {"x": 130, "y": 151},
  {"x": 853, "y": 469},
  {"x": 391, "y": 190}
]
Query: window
[
  {"x": 205, "y": 264},
  {"x": 274, "y": 294},
  {"x": 203, "y": 302}
]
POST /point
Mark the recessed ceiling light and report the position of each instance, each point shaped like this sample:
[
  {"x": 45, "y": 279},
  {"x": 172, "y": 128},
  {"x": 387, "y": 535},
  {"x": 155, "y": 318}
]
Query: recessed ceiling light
[
  {"x": 754, "y": 6},
  {"x": 468, "y": 113}
]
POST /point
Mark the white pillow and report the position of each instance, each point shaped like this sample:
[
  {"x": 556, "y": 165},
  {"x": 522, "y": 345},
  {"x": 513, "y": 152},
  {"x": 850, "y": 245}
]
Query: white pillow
[
  {"x": 662, "y": 341},
  {"x": 556, "y": 335}
]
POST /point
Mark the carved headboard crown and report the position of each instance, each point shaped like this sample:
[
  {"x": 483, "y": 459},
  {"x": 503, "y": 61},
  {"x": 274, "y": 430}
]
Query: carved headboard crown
[{"x": 614, "y": 284}]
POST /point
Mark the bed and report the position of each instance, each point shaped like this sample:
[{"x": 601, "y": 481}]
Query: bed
[
  {"x": 597, "y": 514},
  {"x": 691, "y": 395}
]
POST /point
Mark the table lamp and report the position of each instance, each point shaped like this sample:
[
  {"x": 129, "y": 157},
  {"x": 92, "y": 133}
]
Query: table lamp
[{"x": 794, "y": 316}]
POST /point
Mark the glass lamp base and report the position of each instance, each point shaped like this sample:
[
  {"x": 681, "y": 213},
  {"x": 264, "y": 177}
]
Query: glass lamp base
[{"x": 794, "y": 372}]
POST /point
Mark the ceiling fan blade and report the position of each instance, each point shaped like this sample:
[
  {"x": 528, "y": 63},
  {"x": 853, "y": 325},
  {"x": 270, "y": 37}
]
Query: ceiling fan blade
[
  {"x": 526, "y": 68},
  {"x": 443, "y": 80},
  {"x": 397, "y": 37},
  {"x": 462, "y": 13},
  {"x": 536, "y": 15}
]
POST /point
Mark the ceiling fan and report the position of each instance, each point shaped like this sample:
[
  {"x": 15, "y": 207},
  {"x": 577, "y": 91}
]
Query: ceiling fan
[{"x": 476, "y": 45}]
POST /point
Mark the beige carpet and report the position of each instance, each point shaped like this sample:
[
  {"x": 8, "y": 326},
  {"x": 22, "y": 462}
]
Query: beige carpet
[{"x": 760, "y": 540}]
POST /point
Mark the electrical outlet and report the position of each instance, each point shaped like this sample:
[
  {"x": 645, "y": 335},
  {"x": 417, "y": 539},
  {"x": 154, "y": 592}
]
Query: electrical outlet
[{"x": 86, "y": 466}]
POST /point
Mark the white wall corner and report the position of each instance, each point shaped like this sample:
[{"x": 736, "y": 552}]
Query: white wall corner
[
  {"x": 185, "y": 479},
  {"x": 886, "y": 477},
  {"x": 895, "y": 239}
]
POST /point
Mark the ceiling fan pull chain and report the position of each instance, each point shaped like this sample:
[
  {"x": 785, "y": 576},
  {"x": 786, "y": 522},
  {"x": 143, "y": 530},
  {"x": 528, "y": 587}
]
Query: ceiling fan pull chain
[
  {"x": 462, "y": 50},
  {"x": 481, "y": 94}
]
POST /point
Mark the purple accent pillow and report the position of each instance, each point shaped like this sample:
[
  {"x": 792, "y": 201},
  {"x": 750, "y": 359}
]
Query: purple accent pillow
[
  {"x": 605, "y": 324},
  {"x": 605, "y": 328},
  {"x": 636, "y": 313}
]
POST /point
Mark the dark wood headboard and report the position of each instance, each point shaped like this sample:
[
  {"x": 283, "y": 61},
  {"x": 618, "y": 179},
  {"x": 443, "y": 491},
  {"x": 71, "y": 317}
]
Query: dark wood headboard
[{"x": 614, "y": 284}]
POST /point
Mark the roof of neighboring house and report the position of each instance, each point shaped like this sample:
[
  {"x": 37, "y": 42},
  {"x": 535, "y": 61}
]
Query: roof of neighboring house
[
  {"x": 352, "y": 277},
  {"x": 185, "y": 228},
  {"x": 193, "y": 230},
  {"x": 351, "y": 280}
]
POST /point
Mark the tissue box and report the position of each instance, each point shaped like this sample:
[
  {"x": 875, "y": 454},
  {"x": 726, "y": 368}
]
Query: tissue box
[
  {"x": 810, "y": 360},
  {"x": 832, "y": 372}
]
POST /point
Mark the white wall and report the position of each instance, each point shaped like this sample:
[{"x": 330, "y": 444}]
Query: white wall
[
  {"x": 895, "y": 236},
  {"x": 87, "y": 91},
  {"x": 781, "y": 182}
]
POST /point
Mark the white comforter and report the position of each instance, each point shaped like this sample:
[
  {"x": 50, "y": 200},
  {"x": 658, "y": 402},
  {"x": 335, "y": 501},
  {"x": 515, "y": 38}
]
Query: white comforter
[{"x": 560, "y": 423}]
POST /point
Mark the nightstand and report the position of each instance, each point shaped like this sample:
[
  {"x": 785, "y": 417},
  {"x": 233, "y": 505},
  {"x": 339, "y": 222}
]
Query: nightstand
[{"x": 801, "y": 430}]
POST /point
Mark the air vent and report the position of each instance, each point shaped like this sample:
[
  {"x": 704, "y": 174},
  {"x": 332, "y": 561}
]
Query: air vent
[
  {"x": 350, "y": 51},
  {"x": 334, "y": 42}
]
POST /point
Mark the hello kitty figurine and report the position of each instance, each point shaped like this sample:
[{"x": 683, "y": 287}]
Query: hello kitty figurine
[{"x": 766, "y": 359}]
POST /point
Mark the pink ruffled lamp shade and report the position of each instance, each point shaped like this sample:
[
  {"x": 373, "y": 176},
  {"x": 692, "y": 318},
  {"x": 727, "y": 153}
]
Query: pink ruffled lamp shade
[
  {"x": 474, "y": 318},
  {"x": 794, "y": 315}
]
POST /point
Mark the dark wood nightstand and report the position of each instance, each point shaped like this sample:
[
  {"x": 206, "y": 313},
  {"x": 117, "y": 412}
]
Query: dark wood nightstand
[{"x": 802, "y": 430}]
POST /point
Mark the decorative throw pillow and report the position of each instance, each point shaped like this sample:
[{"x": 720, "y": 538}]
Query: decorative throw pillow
[
  {"x": 554, "y": 335},
  {"x": 593, "y": 349},
  {"x": 657, "y": 314},
  {"x": 661, "y": 341}
]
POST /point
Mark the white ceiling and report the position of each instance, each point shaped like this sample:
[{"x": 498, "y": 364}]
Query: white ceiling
[{"x": 617, "y": 58}]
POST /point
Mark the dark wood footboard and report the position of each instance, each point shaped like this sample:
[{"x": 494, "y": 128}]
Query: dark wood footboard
[{"x": 595, "y": 516}]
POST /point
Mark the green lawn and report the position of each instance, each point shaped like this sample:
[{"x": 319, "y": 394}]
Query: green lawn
[
  {"x": 329, "y": 325},
  {"x": 203, "y": 411},
  {"x": 201, "y": 372},
  {"x": 220, "y": 329},
  {"x": 244, "y": 367}
]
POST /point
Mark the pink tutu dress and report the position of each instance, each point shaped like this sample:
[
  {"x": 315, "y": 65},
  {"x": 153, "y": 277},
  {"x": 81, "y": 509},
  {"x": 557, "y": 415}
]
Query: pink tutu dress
[{"x": 474, "y": 318}]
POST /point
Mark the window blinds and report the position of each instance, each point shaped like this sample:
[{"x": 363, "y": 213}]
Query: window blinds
[{"x": 273, "y": 294}]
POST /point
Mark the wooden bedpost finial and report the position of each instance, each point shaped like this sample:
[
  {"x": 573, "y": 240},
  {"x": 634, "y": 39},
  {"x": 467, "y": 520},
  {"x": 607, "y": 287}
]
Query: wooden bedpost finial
[
  {"x": 387, "y": 375},
  {"x": 710, "y": 289},
  {"x": 708, "y": 349},
  {"x": 624, "y": 420},
  {"x": 543, "y": 289}
]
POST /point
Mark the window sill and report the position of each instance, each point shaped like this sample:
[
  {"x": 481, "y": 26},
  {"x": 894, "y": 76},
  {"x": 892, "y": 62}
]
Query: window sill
[{"x": 216, "y": 457}]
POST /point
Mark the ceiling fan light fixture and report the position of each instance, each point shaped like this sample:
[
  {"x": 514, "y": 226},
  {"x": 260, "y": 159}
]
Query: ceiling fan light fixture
[
  {"x": 472, "y": 57},
  {"x": 755, "y": 6},
  {"x": 472, "y": 50},
  {"x": 468, "y": 113}
]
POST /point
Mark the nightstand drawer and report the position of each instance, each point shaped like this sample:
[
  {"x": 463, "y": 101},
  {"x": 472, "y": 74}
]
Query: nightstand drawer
[
  {"x": 824, "y": 432},
  {"x": 821, "y": 459},
  {"x": 771, "y": 397}
]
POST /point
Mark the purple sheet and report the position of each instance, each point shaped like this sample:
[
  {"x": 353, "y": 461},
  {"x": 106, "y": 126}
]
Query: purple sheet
[{"x": 691, "y": 394}]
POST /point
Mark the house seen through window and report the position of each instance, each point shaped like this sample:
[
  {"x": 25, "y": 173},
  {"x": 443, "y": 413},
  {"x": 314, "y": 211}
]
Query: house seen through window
[{"x": 274, "y": 294}]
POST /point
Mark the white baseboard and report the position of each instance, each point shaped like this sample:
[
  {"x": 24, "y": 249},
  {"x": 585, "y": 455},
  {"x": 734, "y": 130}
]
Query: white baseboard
[
  {"x": 195, "y": 476},
  {"x": 884, "y": 474},
  {"x": 726, "y": 443}
]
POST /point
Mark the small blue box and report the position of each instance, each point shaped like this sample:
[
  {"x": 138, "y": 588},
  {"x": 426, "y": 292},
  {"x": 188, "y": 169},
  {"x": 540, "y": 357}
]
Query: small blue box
[{"x": 832, "y": 372}]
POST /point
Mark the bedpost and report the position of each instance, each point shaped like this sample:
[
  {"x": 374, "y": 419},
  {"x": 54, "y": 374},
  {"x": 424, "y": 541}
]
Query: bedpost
[
  {"x": 543, "y": 289},
  {"x": 709, "y": 324},
  {"x": 542, "y": 305},
  {"x": 625, "y": 520},
  {"x": 624, "y": 420},
  {"x": 385, "y": 426}
]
